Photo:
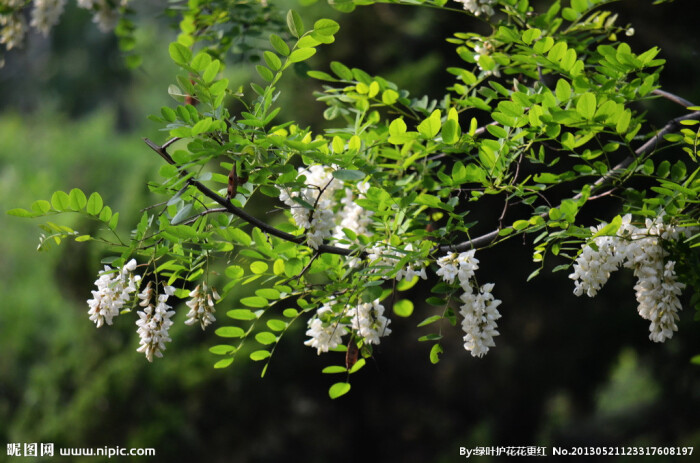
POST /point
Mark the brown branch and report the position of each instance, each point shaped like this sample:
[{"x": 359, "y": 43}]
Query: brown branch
[
  {"x": 671, "y": 97},
  {"x": 240, "y": 213},
  {"x": 646, "y": 148}
]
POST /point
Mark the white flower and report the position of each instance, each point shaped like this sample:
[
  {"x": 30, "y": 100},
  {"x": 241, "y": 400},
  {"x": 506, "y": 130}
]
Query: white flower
[
  {"x": 202, "y": 306},
  {"x": 461, "y": 265},
  {"x": 318, "y": 193},
  {"x": 325, "y": 330},
  {"x": 385, "y": 257},
  {"x": 105, "y": 15},
  {"x": 353, "y": 216},
  {"x": 113, "y": 291},
  {"x": 657, "y": 288},
  {"x": 478, "y": 7},
  {"x": 479, "y": 313},
  {"x": 46, "y": 14},
  {"x": 154, "y": 322},
  {"x": 369, "y": 321},
  {"x": 12, "y": 30}
]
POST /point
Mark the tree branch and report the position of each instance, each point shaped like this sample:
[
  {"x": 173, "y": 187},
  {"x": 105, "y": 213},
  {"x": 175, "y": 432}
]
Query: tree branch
[
  {"x": 671, "y": 97},
  {"x": 240, "y": 213},
  {"x": 646, "y": 148}
]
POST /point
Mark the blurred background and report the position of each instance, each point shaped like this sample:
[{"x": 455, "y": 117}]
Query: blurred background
[{"x": 566, "y": 371}]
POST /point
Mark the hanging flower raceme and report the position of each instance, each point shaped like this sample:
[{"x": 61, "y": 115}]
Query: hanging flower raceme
[
  {"x": 318, "y": 193},
  {"x": 46, "y": 13},
  {"x": 478, "y": 7},
  {"x": 479, "y": 314},
  {"x": 369, "y": 322},
  {"x": 325, "y": 329},
  {"x": 13, "y": 28},
  {"x": 114, "y": 289},
  {"x": 201, "y": 306},
  {"x": 657, "y": 288},
  {"x": 480, "y": 310},
  {"x": 154, "y": 321}
]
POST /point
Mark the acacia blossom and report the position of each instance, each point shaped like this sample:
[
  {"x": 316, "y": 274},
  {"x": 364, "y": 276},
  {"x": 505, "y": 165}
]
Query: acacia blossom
[
  {"x": 385, "y": 257},
  {"x": 480, "y": 310},
  {"x": 657, "y": 288},
  {"x": 45, "y": 14},
  {"x": 369, "y": 321},
  {"x": 318, "y": 193},
  {"x": 201, "y": 306},
  {"x": 325, "y": 329},
  {"x": 478, "y": 7},
  {"x": 154, "y": 321},
  {"x": 114, "y": 289},
  {"x": 12, "y": 30},
  {"x": 479, "y": 314}
]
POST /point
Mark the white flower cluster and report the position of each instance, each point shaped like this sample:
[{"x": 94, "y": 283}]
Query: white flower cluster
[
  {"x": 478, "y": 7},
  {"x": 485, "y": 48},
  {"x": 202, "y": 306},
  {"x": 105, "y": 14},
  {"x": 369, "y": 322},
  {"x": 319, "y": 190},
  {"x": 113, "y": 291},
  {"x": 353, "y": 216},
  {"x": 640, "y": 249},
  {"x": 46, "y": 14},
  {"x": 154, "y": 321},
  {"x": 480, "y": 309},
  {"x": 13, "y": 28},
  {"x": 325, "y": 329},
  {"x": 384, "y": 255}
]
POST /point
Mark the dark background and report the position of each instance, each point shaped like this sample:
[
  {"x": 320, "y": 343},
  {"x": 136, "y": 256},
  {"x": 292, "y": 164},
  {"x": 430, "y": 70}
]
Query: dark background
[{"x": 566, "y": 371}]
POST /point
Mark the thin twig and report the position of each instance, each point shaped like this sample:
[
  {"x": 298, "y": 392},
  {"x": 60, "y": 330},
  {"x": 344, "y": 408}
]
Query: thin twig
[
  {"x": 241, "y": 213},
  {"x": 671, "y": 97},
  {"x": 194, "y": 218},
  {"x": 646, "y": 148}
]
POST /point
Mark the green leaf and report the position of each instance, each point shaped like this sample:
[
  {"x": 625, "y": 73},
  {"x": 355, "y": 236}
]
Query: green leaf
[
  {"x": 356, "y": 367},
  {"x": 430, "y": 127},
  {"x": 240, "y": 236},
  {"x": 94, "y": 204},
  {"x": 435, "y": 352},
  {"x": 586, "y": 105},
  {"x": 255, "y": 302},
  {"x": 179, "y": 53},
  {"x": 290, "y": 313},
  {"x": 265, "y": 73},
  {"x": 338, "y": 389},
  {"x": 295, "y": 24},
  {"x": 341, "y": 70},
  {"x": 403, "y": 308},
  {"x": 268, "y": 293},
  {"x": 259, "y": 355},
  {"x": 230, "y": 332},
  {"x": 258, "y": 267},
  {"x": 301, "y": 54},
  {"x": 279, "y": 45},
  {"x": 77, "y": 199},
  {"x": 349, "y": 175},
  {"x": 429, "y": 320},
  {"x": 41, "y": 206},
  {"x": 241, "y": 314},
  {"x": 450, "y": 132},
  {"x": 272, "y": 60},
  {"x": 389, "y": 97},
  {"x": 222, "y": 349},
  {"x": 223, "y": 363},
  {"x": 60, "y": 201},
  {"x": 326, "y": 27},
  {"x": 211, "y": 71},
  {"x": 563, "y": 90},
  {"x": 19, "y": 212},
  {"x": 266, "y": 338},
  {"x": 234, "y": 272},
  {"x": 276, "y": 325},
  {"x": 530, "y": 35},
  {"x": 333, "y": 369}
]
